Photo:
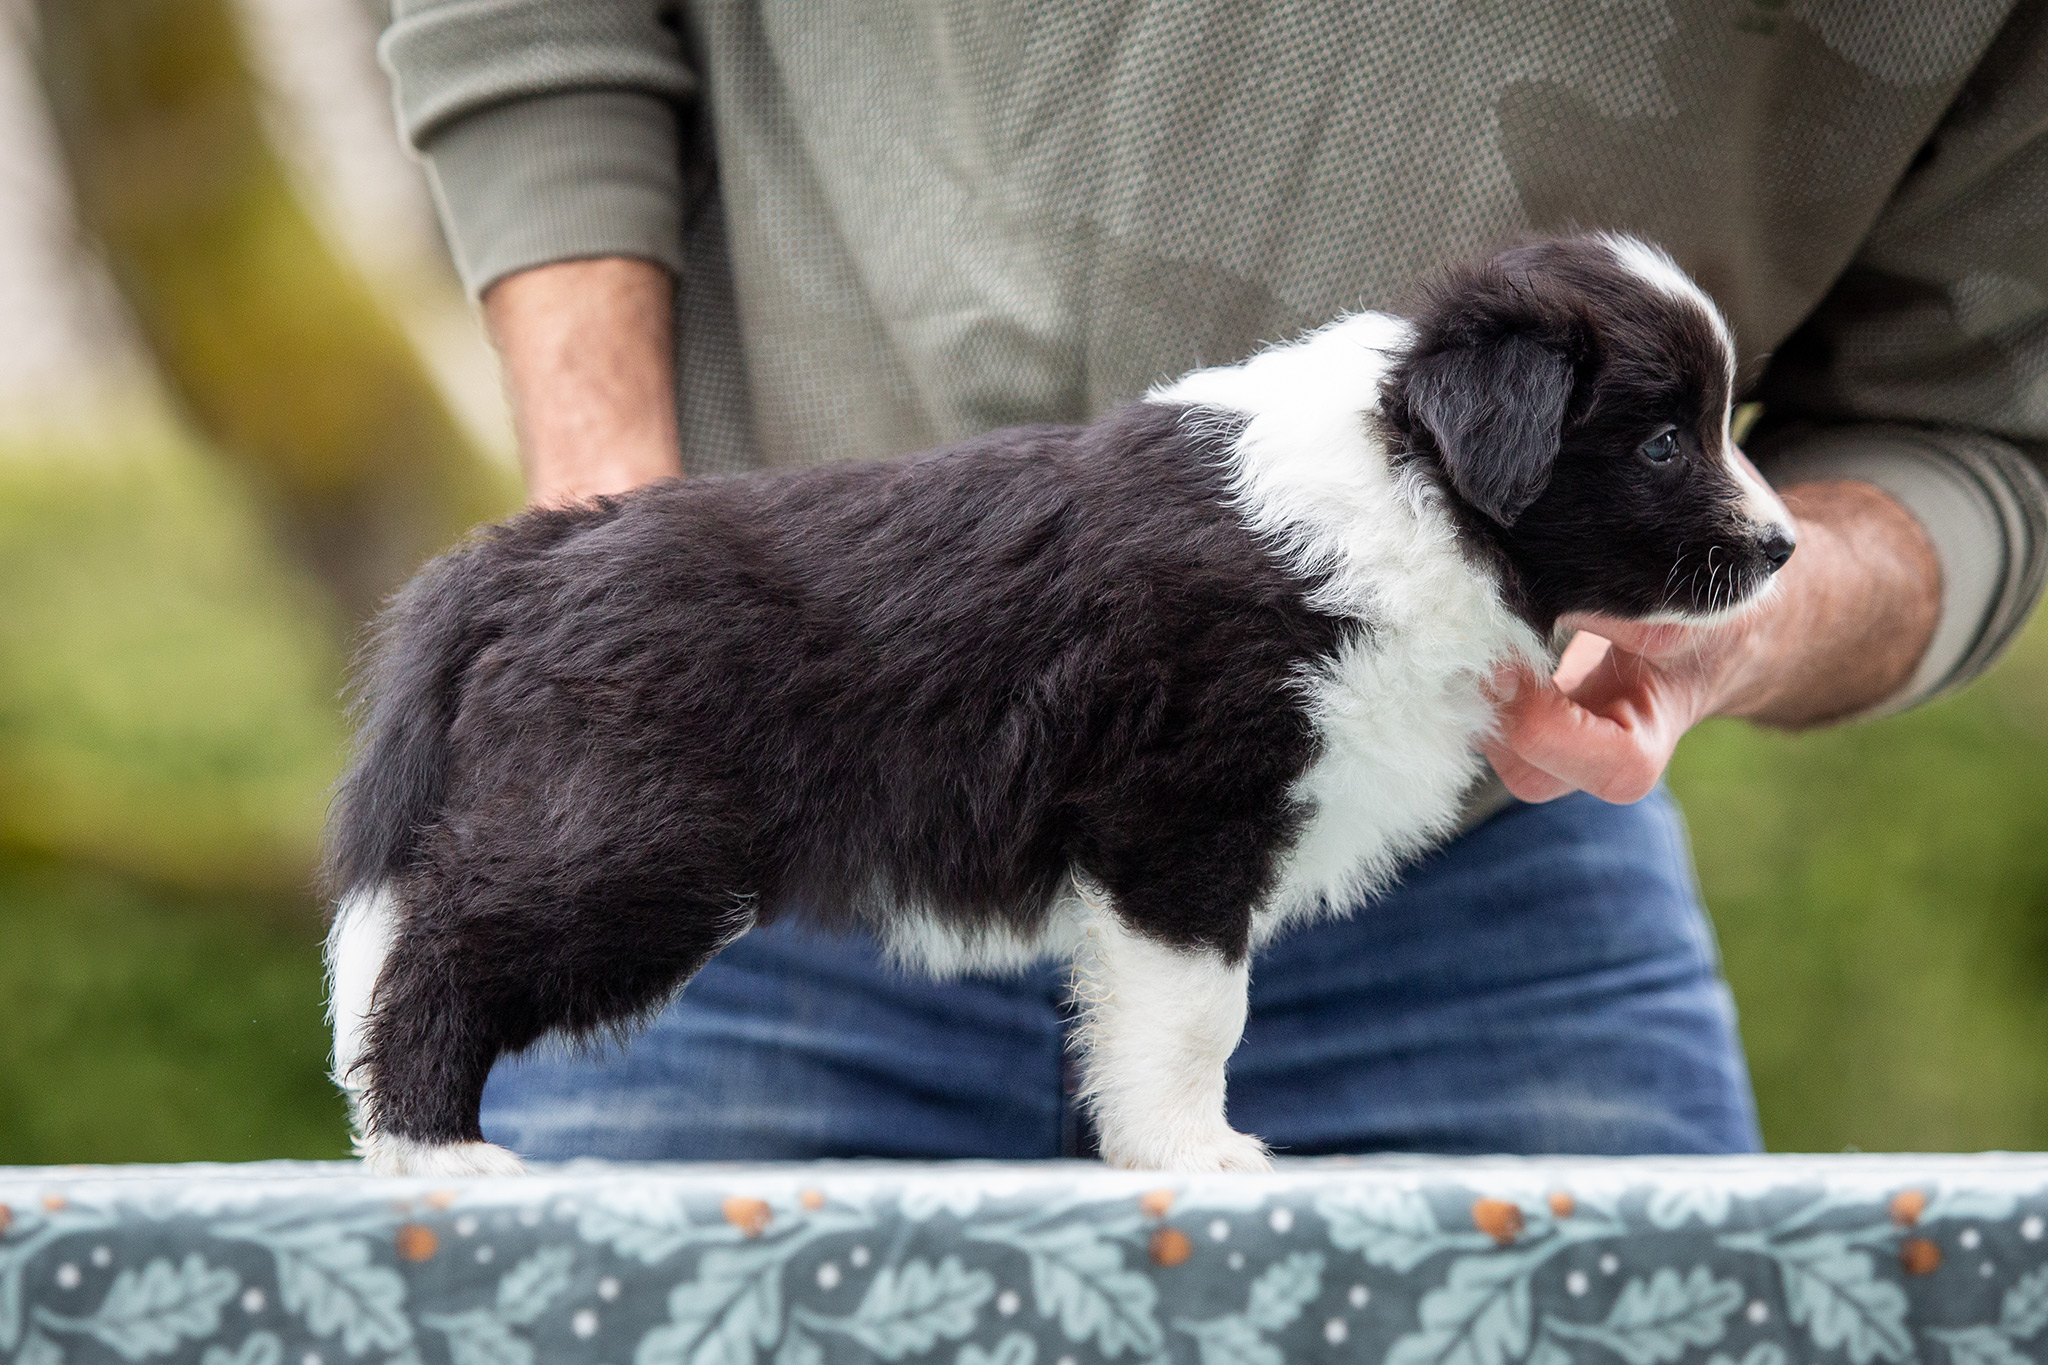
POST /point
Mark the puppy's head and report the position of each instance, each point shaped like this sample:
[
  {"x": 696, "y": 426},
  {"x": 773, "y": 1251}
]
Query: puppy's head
[{"x": 1573, "y": 396}]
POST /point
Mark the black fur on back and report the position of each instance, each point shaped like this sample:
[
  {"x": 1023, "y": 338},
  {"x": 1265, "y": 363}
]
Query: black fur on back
[{"x": 599, "y": 743}]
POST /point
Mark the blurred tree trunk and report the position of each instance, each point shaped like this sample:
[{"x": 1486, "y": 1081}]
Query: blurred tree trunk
[{"x": 276, "y": 349}]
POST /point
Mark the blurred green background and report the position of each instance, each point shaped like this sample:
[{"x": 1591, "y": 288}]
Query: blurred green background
[{"x": 185, "y": 553}]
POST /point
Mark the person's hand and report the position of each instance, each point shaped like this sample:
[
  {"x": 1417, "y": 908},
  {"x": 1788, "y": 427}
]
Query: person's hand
[
  {"x": 588, "y": 350},
  {"x": 1843, "y": 627},
  {"x": 1608, "y": 721}
]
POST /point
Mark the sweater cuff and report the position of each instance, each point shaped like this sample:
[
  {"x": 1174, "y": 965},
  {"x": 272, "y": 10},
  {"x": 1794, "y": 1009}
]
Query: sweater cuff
[
  {"x": 450, "y": 59},
  {"x": 556, "y": 178},
  {"x": 1984, "y": 508}
]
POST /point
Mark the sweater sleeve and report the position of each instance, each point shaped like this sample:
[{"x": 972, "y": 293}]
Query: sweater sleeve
[
  {"x": 1925, "y": 369},
  {"x": 548, "y": 130}
]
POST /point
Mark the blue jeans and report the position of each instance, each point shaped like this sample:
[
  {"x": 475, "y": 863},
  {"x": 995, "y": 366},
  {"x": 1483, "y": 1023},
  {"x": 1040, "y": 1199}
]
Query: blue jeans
[{"x": 1545, "y": 983}]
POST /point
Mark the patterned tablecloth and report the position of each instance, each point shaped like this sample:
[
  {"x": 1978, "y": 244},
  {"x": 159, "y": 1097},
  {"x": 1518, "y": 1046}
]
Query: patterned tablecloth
[{"x": 1409, "y": 1261}]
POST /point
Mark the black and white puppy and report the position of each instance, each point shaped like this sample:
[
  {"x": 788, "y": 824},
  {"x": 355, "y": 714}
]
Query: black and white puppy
[{"x": 1138, "y": 693}]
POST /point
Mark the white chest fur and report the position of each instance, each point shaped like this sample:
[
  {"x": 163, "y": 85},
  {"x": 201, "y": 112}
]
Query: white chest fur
[{"x": 1401, "y": 706}]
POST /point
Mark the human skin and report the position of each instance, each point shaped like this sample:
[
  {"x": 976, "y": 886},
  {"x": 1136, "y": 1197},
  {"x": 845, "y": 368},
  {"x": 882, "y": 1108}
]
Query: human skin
[
  {"x": 588, "y": 347},
  {"x": 1846, "y": 621}
]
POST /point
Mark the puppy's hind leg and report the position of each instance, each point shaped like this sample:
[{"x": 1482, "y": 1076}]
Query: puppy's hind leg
[
  {"x": 1158, "y": 1024},
  {"x": 489, "y": 957},
  {"x": 366, "y": 925}
]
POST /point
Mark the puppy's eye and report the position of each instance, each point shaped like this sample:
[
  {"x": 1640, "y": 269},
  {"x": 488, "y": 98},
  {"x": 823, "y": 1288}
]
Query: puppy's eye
[{"x": 1660, "y": 448}]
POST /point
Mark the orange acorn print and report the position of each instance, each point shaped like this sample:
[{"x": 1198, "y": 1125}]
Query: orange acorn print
[
  {"x": 1156, "y": 1203},
  {"x": 1907, "y": 1206},
  {"x": 1170, "y": 1246},
  {"x": 1498, "y": 1219},
  {"x": 416, "y": 1243},
  {"x": 1919, "y": 1256},
  {"x": 750, "y": 1216}
]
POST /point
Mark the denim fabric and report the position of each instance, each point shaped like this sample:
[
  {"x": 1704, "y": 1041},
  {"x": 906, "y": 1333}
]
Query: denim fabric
[{"x": 1545, "y": 983}]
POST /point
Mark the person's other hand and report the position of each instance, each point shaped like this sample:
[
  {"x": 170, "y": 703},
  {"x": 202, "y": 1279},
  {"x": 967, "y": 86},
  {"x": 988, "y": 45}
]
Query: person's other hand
[{"x": 1841, "y": 630}]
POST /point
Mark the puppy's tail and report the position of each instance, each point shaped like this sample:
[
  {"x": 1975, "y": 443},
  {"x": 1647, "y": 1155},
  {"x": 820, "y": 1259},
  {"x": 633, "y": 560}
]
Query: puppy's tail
[
  {"x": 408, "y": 683},
  {"x": 409, "y": 680}
]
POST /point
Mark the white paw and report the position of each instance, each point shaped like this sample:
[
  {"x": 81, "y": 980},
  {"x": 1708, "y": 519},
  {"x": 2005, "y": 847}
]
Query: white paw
[
  {"x": 384, "y": 1154},
  {"x": 1212, "y": 1149}
]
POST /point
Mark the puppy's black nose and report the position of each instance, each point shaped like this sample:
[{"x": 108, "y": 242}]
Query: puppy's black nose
[{"x": 1777, "y": 546}]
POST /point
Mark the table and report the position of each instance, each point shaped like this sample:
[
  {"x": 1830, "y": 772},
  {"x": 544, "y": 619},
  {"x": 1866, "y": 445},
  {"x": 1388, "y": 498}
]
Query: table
[{"x": 1410, "y": 1261}]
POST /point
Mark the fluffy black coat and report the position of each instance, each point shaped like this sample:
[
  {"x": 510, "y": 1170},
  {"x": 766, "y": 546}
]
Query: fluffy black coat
[{"x": 601, "y": 742}]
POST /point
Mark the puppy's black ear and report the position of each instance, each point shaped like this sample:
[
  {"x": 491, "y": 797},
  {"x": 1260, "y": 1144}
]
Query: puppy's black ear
[{"x": 1496, "y": 409}]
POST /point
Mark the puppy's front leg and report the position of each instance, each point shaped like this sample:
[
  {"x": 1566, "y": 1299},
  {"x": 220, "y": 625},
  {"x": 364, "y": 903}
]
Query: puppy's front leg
[{"x": 1158, "y": 1024}]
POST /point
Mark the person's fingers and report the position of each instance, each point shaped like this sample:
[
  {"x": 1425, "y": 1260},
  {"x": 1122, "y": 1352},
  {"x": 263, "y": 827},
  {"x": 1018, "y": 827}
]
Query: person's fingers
[
  {"x": 1580, "y": 658},
  {"x": 1610, "y": 729},
  {"x": 1617, "y": 757},
  {"x": 1652, "y": 641},
  {"x": 1508, "y": 681},
  {"x": 1622, "y": 685},
  {"x": 1524, "y": 780}
]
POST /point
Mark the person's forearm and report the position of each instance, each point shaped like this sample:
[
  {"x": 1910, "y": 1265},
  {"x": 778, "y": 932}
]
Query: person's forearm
[
  {"x": 1858, "y": 604},
  {"x": 588, "y": 351}
]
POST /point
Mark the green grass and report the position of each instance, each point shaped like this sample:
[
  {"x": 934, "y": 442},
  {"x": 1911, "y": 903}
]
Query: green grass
[
  {"x": 149, "y": 1024},
  {"x": 1881, "y": 893},
  {"x": 168, "y": 730}
]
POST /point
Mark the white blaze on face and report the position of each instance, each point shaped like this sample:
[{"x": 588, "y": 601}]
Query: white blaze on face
[
  {"x": 1654, "y": 268},
  {"x": 1760, "y": 503}
]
